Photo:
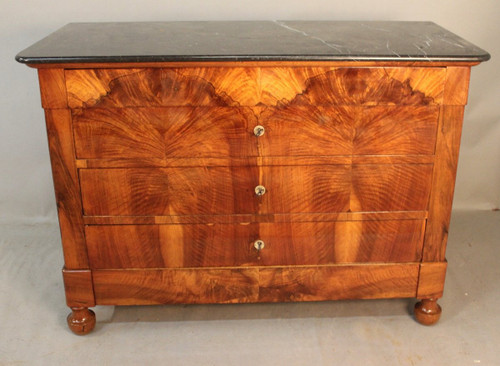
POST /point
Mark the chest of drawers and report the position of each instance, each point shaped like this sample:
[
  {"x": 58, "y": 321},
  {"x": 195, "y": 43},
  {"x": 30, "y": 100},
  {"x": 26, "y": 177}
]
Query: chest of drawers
[{"x": 234, "y": 162}]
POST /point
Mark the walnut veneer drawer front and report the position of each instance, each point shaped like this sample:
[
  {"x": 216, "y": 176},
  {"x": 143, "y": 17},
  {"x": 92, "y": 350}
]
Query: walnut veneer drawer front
[
  {"x": 163, "y": 132},
  {"x": 232, "y": 190},
  {"x": 233, "y": 162},
  {"x": 174, "y": 132},
  {"x": 253, "y": 86},
  {"x": 289, "y": 243}
]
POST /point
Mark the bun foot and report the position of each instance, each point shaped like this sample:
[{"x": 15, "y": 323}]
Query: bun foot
[
  {"x": 427, "y": 311},
  {"x": 81, "y": 321}
]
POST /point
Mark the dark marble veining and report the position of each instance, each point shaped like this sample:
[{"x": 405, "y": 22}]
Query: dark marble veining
[{"x": 251, "y": 41}]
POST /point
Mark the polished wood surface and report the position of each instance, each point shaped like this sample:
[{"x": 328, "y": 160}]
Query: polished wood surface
[
  {"x": 427, "y": 311},
  {"x": 176, "y": 132},
  {"x": 251, "y": 86},
  {"x": 201, "y": 132},
  {"x": 52, "y": 88},
  {"x": 289, "y": 243},
  {"x": 214, "y": 190},
  {"x": 257, "y": 284},
  {"x": 220, "y": 190},
  {"x": 456, "y": 90},
  {"x": 81, "y": 320},
  {"x": 431, "y": 279},
  {"x": 78, "y": 287},
  {"x": 257, "y": 160},
  {"x": 445, "y": 170},
  {"x": 64, "y": 171},
  {"x": 256, "y": 218},
  {"x": 155, "y": 170}
]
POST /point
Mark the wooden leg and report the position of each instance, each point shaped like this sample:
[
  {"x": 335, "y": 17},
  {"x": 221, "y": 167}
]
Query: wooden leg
[
  {"x": 427, "y": 311},
  {"x": 81, "y": 321}
]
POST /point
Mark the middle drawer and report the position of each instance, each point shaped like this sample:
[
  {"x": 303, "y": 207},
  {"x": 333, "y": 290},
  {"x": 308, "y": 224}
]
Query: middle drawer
[{"x": 255, "y": 190}]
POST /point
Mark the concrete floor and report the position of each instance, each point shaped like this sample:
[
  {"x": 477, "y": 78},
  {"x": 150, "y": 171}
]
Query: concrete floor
[{"x": 370, "y": 332}]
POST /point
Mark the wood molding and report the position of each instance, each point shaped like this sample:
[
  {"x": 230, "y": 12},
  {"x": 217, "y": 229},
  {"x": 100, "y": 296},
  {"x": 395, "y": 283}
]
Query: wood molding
[
  {"x": 79, "y": 288},
  {"x": 431, "y": 280}
]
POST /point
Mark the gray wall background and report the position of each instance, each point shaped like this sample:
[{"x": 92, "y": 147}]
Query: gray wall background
[{"x": 26, "y": 193}]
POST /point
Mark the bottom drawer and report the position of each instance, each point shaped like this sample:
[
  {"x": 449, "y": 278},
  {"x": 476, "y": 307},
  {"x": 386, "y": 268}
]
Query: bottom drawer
[
  {"x": 254, "y": 284},
  {"x": 221, "y": 245}
]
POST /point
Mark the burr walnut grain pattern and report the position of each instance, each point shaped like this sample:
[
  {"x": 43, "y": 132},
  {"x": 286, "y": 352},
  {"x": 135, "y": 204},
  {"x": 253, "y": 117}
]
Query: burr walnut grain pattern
[
  {"x": 288, "y": 243},
  {"x": 252, "y": 86}
]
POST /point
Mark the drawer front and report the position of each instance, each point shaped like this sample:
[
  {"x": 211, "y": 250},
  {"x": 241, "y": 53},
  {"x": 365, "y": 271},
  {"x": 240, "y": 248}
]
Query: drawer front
[
  {"x": 348, "y": 130},
  {"x": 202, "y": 132},
  {"x": 231, "y": 190},
  {"x": 252, "y": 86},
  {"x": 214, "y": 190},
  {"x": 163, "y": 133},
  {"x": 215, "y": 245}
]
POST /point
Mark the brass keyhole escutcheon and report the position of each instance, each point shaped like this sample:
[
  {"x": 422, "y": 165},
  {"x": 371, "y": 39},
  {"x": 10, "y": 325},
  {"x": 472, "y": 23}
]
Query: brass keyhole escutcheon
[
  {"x": 259, "y": 244},
  {"x": 260, "y": 190},
  {"x": 259, "y": 130}
]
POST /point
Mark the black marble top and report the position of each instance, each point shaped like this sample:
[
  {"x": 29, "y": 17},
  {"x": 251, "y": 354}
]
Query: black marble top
[{"x": 251, "y": 41}]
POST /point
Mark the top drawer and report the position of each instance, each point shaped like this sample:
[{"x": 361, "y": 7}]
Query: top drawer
[{"x": 252, "y": 86}]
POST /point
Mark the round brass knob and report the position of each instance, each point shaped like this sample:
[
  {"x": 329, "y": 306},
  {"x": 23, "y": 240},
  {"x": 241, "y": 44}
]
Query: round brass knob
[
  {"x": 259, "y": 130},
  {"x": 259, "y": 244},
  {"x": 260, "y": 190}
]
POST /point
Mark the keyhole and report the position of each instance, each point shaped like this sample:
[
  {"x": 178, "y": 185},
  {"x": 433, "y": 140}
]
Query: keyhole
[
  {"x": 260, "y": 190},
  {"x": 259, "y": 244},
  {"x": 258, "y": 131}
]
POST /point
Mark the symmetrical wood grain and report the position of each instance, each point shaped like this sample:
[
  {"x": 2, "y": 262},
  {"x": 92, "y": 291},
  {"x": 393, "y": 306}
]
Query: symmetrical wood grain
[
  {"x": 256, "y": 284},
  {"x": 251, "y": 86},
  {"x": 177, "y": 132},
  {"x": 288, "y": 243},
  {"x": 155, "y": 168},
  {"x": 224, "y": 190},
  {"x": 215, "y": 190}
]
